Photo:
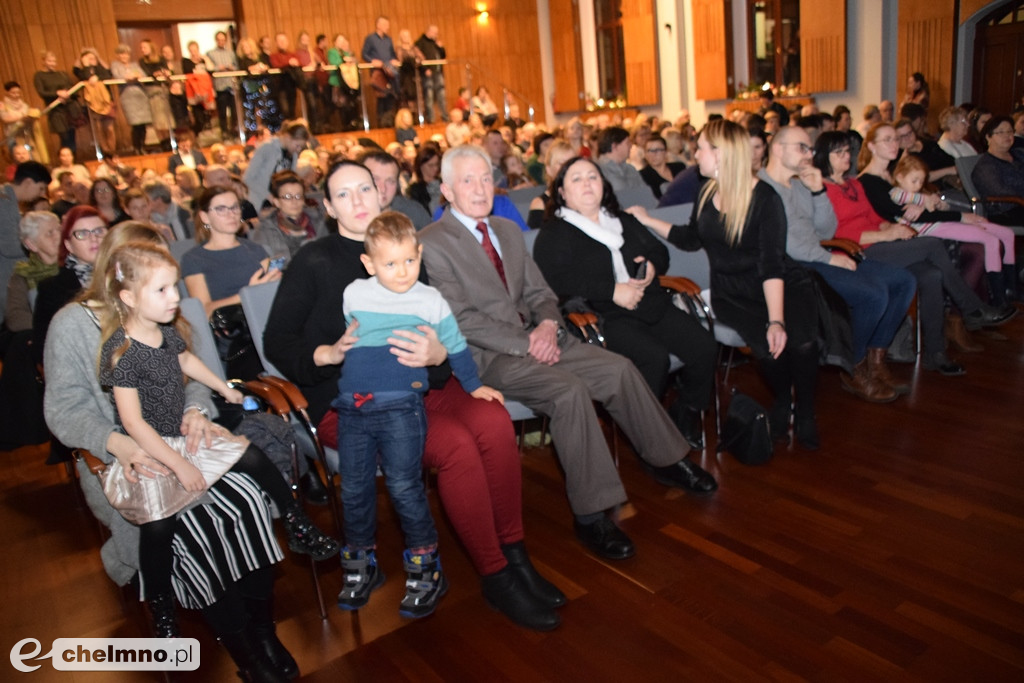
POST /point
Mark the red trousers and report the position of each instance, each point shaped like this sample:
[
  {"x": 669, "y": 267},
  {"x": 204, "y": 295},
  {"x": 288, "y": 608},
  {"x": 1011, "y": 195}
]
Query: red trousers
[{"x": 471, "y": 444}]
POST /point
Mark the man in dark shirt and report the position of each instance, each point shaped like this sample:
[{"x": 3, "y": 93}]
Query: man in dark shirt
[
  {"x": 432, "y": 76},
  {"x": 380, "y": 51}
]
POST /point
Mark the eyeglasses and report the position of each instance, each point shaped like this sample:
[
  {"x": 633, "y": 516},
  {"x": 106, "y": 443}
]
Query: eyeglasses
[
  {"x": 656, "y": 150},
  {"x": 102, "y": 189},
  {"x": 292, "y": 197},
  {"x": 1002, "y": 131},
  {"x": 83, "y": 234},
  {"x": 804, "y": 147},
  {"x": 224, "y": 209}
]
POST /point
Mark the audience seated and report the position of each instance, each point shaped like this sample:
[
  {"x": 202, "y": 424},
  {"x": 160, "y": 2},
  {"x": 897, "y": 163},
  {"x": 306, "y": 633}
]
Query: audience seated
[
  {"x": 583, "y": 227},
  {"x": 512, "y": 323},
  {"x": 290, "y": 224}
]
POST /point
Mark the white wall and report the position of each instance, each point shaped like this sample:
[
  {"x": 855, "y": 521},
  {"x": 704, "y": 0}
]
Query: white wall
[
  {"x": 203, "y": 33},
  {"x": 871, "y": 72},
  {"x": 670, "y": 57}
]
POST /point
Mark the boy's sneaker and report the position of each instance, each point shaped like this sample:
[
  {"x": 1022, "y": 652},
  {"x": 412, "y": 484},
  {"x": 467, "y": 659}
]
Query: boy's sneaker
[
  {"x": 362, "y": 577},
  {"x": 425, "y": 584}
]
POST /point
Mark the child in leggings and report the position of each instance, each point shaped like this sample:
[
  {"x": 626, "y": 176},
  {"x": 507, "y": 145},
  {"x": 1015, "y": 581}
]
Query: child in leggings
[{"x": 144, "y": 354}]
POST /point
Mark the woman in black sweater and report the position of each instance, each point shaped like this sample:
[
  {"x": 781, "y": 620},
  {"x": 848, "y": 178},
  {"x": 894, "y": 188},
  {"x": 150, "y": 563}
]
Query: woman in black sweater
[{"x": 588, "y": 248}]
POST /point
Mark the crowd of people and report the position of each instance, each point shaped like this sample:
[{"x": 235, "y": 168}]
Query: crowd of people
[
  {"x": 267, "y": 75},
  {"x": 409, "y": 309}
]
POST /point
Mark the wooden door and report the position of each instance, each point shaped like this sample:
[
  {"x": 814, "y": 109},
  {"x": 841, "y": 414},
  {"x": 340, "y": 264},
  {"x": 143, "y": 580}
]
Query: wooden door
[
  {"x": 998, "y": 63},
  {"x": 640, "y": 43},
  {"x": 566, "y": 53},
  {"x": 712, "y": 52}
]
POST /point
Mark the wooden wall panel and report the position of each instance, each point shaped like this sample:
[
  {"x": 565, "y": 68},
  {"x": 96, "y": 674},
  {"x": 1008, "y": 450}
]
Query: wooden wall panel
[
  {"x": 565, "y": 50},
  {"x": 640, "y": 44},
  {"x": 505, "y": 50},
  {"x": 132, "y": 11},
  {"x": 925, "y": 36},
  {"x": 28, "y": 27},
  {"x": 711, "y": 51},
  {"x": 969, "y": 7},
  {"x": 823, "y": 46}
]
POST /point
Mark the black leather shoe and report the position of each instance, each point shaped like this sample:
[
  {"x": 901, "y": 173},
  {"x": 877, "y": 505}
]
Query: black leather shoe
[
  {"x": 507, "y": 594},
  {"x": 988, "y": 316},
  {"x": 265, "y": 640},
  {"x": 605, "y": 539},
  {"x": 542, "y": 589},
  {"x": 685, "y": 475},
  {"x": 941, "y": 363},
  {"x": 313, "y": 489}
]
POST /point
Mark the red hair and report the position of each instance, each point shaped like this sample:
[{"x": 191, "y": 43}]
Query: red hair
[{"x": 76, "y": 214}]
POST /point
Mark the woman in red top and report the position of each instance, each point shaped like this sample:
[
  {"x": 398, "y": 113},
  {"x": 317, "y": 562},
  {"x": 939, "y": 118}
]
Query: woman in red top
[{"x": 896, "y": 244}]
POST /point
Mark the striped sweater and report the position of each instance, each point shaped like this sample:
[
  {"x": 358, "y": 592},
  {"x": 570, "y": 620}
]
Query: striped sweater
[{"x": 370, "y": 366}]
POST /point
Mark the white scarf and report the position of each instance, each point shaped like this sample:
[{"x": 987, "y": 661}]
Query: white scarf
[{"x": 607, "y": 231}]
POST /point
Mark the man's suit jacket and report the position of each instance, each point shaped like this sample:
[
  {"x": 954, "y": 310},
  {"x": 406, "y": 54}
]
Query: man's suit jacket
[
  {"x": 495, "y": 321},
  {"x": 174, "y": 161}
]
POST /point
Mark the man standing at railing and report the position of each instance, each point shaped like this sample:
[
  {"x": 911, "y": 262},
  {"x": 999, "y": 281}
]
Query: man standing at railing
[
  {"x": 380, "y": 51},
  {"x": 224, "y": 59},
  {"x": 432, "y": 75}
]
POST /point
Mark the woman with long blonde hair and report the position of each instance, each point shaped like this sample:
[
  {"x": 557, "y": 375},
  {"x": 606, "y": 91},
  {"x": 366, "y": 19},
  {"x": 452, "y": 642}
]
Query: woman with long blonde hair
[{"x": 755, "y": 287}]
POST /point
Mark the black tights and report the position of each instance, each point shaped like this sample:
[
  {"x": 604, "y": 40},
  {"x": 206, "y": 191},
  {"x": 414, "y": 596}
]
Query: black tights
[
  {"x": 233, "y": 611},
  {"x": 793, "y": 372},
  {"x": 155, "y": 538}
]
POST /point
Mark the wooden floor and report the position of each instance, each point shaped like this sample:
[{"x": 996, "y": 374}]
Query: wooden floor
[{"x": 895, "y": 553}]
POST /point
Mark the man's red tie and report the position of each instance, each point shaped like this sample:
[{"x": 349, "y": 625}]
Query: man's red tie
[{"x": 491, "y": 252}]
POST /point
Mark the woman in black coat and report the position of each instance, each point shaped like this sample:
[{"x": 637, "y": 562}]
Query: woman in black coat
[{"x": 588, "y": 248}]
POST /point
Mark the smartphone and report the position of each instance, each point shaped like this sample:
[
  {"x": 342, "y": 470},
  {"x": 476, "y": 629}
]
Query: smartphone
[
  {"x": 639, "y": 270},
  {"x": 276, "y": 263}
]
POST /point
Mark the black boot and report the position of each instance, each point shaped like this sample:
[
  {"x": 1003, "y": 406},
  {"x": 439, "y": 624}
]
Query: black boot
[
  {"x": 997, "y": 291},
  {"x": 1011, "y": 282},
  {"x": 264, "y": 637},
  {"x": 161, "y": 609},
  {"x": 542, "y": 589},
  {"x": 507, "y": 594},
  {"x": 304, "y": 537},
  {"x": 253, "y": 664},
  {"x": 313, "y": 489}
]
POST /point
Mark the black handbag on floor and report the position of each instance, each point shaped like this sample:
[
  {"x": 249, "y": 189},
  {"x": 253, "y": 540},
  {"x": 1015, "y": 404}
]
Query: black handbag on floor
[{"x": 746, "y": 433}]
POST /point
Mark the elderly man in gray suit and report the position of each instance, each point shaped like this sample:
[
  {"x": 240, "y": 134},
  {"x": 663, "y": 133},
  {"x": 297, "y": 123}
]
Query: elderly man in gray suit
[{"x": 511, "y": 320}]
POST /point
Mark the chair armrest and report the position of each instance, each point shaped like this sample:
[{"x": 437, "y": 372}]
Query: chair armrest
[
  {"x": 582, "y": 320},
  {"x": 1010, "y": 199},
  {"x": 94, "y": 464},
  {"x": 274, "y": 399},
  {"x": 291, "y": 392},
  {"x": 847, "y": 246},
  {"x": 676, "y": 283}
]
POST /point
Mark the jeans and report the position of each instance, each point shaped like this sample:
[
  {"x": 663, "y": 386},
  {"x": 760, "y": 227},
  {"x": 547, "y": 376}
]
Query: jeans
[
  {"x": 878, "y": 295},
  {"x": 433, "y": 91},
  {"x": 396, "y": 428}
]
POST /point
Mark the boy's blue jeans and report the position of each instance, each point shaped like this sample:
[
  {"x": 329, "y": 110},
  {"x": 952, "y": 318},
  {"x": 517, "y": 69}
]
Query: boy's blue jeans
[{"x": 394, "y": 426}]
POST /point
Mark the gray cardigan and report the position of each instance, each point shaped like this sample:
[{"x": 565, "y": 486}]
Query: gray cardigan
[{"x": 81, "y": 415}]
